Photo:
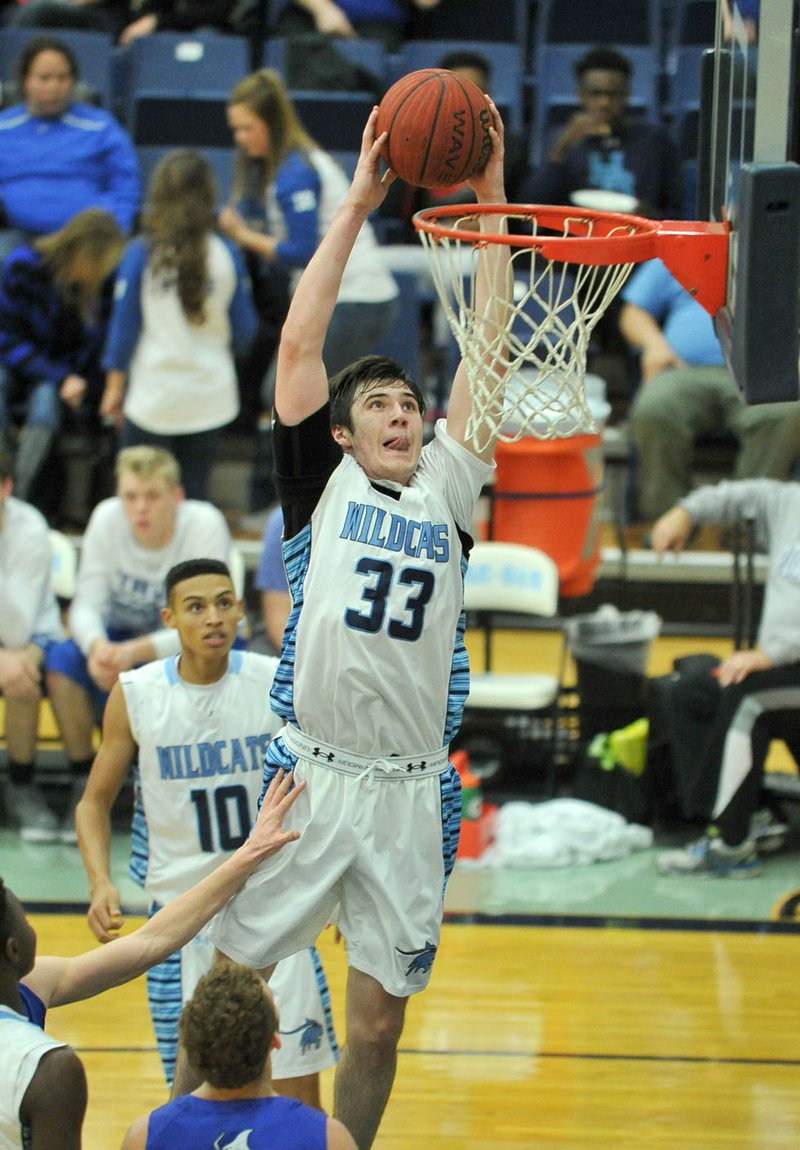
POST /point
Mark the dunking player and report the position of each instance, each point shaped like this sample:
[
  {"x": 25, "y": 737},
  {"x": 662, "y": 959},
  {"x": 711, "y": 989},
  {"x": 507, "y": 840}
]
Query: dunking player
[
  {"x": 374, "y": 673},
  {"x": 200, "y": 723}
]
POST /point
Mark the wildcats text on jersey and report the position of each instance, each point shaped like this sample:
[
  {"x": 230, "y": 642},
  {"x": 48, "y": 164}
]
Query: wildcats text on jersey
[
  {"x": 365, "y": 523},
  {"x": 206, "y": 760}
]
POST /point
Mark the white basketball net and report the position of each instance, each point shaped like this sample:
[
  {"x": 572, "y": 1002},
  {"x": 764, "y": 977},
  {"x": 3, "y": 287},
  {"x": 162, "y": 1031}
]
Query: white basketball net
[{"x": 525, "y": 360}]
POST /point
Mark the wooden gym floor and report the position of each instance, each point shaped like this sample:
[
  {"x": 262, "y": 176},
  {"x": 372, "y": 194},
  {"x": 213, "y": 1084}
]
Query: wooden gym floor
[
  {"x": 600, "y": 1006},
  {"x": 535, "y": 1037}
]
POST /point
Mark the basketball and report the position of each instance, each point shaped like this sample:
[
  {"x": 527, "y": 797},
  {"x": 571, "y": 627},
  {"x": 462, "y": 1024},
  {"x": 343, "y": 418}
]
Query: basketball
[{"x": 438, "y": 128}]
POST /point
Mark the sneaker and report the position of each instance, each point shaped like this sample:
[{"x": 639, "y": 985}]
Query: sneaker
[
  {"x": 710, "y": 856},
  {"x": 66, "y": 831},
  {"x": 27, "y": 809},
  {"x": 767, "y": 833}
]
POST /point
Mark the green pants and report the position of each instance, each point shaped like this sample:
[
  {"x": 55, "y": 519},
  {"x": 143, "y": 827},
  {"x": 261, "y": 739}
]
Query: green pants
[{"x": 675, "y": 407}]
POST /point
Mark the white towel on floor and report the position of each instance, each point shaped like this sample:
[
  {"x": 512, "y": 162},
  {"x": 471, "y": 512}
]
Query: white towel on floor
[{"x": 561, "y": 832}]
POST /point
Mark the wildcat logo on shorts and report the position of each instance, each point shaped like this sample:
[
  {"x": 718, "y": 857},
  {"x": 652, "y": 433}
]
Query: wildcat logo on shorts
[
  {"x": 311, "y": 1035},
  {"x": 422, "y": 960}
]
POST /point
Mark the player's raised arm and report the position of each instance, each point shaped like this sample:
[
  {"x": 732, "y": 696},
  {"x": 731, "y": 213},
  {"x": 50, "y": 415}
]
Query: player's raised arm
[
  {"x": 301, "y": 386},
  {"x": 61, "y": 980},
  {"x": 494, "y": 289}
]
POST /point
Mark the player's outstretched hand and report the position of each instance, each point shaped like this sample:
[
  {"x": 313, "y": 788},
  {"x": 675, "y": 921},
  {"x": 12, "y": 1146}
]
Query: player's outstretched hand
[
  {"x": 268, "y": 835},
  {"x": 489, "y": 183},
  {"x": 368, "y": 188}
]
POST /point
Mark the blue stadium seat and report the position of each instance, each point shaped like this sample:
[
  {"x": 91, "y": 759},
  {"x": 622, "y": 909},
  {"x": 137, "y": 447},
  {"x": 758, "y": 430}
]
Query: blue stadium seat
[
  {"x": 692, "y": 33},
  {"x": 508, "y": 21},
  {"x": 506, "y": 62},
  {"x": 92, "y": 50},
  {"x": 335, "y": 119},
  {"x": 620, "y": 24},
  {"x": 174, "y": 87},
  {"x": 369, "y": 54}
]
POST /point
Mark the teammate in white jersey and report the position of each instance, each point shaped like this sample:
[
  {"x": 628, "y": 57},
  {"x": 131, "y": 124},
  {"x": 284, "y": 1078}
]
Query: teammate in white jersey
[
  {"x": 199, "y": 723},
  {"x": 130, "y": 544},
  {"x": 29, "y": 624},
  {"x": 373, "y": 674}
]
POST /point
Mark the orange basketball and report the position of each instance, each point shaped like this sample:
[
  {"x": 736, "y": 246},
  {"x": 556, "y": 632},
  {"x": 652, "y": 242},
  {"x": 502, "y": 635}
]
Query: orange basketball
[{"x": 438, "y": 124}]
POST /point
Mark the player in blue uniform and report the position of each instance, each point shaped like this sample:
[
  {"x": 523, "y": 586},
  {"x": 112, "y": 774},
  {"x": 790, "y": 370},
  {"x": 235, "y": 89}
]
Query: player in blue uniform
[
  {"x": 373, "y": 674},
  {"x": 229, "y": 1028}
]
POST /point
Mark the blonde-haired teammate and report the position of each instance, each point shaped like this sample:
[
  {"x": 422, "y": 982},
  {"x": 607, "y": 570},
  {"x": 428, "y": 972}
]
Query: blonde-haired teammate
[{"x": 129, "y": 545}]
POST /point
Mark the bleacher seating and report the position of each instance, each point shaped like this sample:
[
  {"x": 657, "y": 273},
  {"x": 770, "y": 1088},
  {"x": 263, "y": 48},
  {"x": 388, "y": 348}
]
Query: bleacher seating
[
  {"x": 335, "y": 119},
  {"x": 173, "y": 88},
  {"x": 507, "y": 21},
  {"x": 368, "y": 54}
]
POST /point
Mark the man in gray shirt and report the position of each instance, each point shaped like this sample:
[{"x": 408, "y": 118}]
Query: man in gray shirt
[{"x": 753, "y": 695}]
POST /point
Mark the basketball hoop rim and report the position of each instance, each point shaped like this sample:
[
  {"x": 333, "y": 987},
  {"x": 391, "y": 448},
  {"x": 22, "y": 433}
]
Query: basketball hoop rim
[{"x": 695, "y": 251}]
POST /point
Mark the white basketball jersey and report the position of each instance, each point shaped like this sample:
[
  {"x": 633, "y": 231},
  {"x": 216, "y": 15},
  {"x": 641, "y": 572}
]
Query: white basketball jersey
[
  {"x": 201, "y": 750},
  {"x": 375, "y": 661},
  {"x": 22, "y": 1047}
]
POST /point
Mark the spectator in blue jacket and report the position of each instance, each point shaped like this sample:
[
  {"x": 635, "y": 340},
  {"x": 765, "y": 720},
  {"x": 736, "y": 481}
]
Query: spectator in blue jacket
[
  {"x": 54, "y": 307},
  {"x": 58, "y": 156}
]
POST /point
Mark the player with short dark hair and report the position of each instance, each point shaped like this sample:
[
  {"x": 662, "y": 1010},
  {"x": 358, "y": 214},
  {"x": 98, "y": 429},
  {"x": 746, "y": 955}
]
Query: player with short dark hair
[
  {"x": 197, "y": 725},
  {"x": 374, "y": 673}
]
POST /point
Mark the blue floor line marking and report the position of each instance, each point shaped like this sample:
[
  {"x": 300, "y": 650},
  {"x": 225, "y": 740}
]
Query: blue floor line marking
[
  {"x": 624, "y": 922},
  {"x": 681, "y": 1059},
  {"x": 484, "y": 918}
]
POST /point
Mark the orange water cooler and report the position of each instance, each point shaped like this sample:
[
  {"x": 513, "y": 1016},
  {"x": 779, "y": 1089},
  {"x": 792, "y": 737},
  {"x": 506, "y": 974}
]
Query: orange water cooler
[{"x": 547, "y": 493}]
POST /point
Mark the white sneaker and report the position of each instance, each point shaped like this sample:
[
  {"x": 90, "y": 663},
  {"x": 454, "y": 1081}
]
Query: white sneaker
[
  {"x": 768, "y": 834},
  {"x": 711, "y": 856},
  {"x": 27, "y": 809}
]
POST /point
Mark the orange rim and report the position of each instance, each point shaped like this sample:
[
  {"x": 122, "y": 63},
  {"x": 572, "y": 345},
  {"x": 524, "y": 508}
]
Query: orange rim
[{"x": 695, "y": 251}]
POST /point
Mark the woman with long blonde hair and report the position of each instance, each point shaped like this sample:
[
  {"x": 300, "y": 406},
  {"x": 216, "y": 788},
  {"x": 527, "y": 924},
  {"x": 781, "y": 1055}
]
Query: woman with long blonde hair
[
  {"x": 297, "y": 186},
  {"x": 182, "y": 312}
]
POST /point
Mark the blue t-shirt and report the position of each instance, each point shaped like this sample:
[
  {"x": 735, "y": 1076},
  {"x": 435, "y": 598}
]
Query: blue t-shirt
[
  {"x": 687, "y": 326},
  {"x": 190, "y": 1123},
  {"x": 270, "y": 574}
]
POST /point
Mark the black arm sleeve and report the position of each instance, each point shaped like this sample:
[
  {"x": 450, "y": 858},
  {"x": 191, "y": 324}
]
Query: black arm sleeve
[{"x": 306, "y": 455}]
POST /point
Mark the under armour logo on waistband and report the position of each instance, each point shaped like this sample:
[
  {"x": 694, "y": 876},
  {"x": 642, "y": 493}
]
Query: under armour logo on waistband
[
  {"x": 327, "y": 756},
  {"x": 410, "y": 767}
]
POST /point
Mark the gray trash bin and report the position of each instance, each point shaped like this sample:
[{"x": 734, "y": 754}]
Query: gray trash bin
[{"x": 610, "y": 649}]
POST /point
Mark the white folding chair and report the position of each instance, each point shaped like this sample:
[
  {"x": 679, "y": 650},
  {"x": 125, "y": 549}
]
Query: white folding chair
[{"x": 505, "y": 581}]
